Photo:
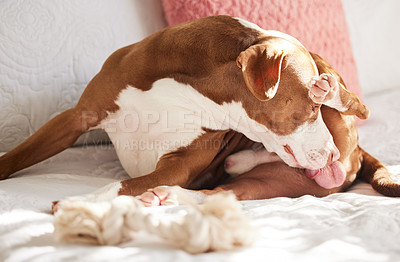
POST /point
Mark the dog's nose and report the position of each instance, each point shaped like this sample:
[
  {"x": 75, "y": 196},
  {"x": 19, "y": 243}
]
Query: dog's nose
[
  {"x": 333, "y": 156},
  {"x": 330, "y": 159}
]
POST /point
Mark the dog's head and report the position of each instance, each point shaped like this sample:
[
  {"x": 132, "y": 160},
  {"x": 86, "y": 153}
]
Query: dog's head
[{"x": 277, "y": 72}]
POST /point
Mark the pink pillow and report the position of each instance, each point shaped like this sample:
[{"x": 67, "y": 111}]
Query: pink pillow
[{"x": 319, "y": 24}]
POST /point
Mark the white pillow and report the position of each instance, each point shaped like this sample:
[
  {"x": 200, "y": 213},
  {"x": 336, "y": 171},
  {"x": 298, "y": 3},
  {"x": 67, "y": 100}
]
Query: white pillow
[{"x": 49, "y": 51}]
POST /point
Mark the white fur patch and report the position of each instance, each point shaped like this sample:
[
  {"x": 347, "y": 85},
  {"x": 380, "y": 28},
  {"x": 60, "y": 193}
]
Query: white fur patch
[
  {"x": 170, "y": 115},
  {"x": 312, "y": 144}
]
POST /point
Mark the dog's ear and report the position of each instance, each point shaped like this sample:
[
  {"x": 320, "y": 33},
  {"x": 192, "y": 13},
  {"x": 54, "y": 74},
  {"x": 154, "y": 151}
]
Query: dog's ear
[
  {"x": 261, "y": 67},
  {"x": 353, "y": 104}
]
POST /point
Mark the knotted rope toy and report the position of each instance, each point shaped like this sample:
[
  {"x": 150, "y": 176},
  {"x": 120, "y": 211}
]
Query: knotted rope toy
[{"x": 216, "y": 225}]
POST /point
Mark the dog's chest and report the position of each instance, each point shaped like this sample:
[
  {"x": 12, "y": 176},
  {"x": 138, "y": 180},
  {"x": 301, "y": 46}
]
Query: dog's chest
[{"x": 152, "y": 123}]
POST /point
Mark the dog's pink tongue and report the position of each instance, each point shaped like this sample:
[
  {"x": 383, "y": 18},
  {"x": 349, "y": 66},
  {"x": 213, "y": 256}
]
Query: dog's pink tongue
[{"x": 328, "y": 177}]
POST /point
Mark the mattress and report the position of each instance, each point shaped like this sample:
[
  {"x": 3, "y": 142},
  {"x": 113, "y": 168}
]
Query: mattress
[{"x": 358, "y": 225}]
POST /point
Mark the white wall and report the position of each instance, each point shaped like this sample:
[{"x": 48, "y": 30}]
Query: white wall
[{"x": 374, "y": 27}]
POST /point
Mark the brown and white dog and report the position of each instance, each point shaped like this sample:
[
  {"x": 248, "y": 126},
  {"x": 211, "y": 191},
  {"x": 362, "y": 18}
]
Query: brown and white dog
[
  {"x": 169, "y": 103},
  {"x": 259, "y": 174}
]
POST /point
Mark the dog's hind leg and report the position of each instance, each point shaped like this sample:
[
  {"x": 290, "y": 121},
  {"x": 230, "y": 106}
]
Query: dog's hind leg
[
  {"x": 63, "y": 130},
  {"x": 55, "y": 136}
]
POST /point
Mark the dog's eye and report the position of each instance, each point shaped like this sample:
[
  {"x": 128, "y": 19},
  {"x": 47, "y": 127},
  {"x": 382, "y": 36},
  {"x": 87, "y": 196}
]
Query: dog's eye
[{"x": 315, "y": 108}]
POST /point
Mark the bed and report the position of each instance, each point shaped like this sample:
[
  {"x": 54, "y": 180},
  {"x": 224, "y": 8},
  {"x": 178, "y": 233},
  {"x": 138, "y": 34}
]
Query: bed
[{"x": 357, "y": 225}]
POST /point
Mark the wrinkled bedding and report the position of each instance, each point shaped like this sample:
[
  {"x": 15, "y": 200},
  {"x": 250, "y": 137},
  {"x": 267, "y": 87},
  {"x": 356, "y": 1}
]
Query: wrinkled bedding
[{"x": 359, "y": 225}]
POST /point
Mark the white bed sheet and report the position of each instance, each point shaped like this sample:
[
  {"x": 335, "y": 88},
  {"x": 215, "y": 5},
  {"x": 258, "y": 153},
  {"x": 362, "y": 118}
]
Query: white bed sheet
[{"x": 359, "y": 225}]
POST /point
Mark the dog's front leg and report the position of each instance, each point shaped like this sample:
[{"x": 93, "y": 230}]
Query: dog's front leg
[
  {"x": 178, "y": 168},
  {"x": 169, "y": 172}
]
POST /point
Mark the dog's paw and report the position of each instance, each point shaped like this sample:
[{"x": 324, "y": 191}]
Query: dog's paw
[
  {"x": 240, "y": 162},
  {"x": 158, "y": 196},
  {"x": 323, "y": 88},
  {"x": 245, "y": 160}
]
